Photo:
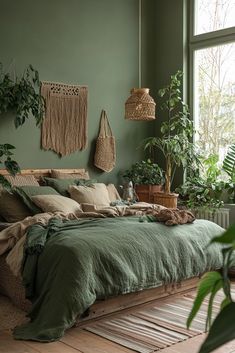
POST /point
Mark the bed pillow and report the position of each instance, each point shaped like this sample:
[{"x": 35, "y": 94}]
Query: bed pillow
[
  {"x": 12, "y": 208},
  {"x": 113, "y": 193},
  {"x": 26, "y": 192},
  {"x": 97, "y": 194},
  {"x": 21, "y": 180},
  {"x": 62, "y": 185},
  {"x": 56, "y": 203},
  {"x": 80, "y": 174}
]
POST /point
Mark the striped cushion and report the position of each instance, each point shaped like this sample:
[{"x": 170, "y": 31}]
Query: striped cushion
[{"x": 21, "y": 180}]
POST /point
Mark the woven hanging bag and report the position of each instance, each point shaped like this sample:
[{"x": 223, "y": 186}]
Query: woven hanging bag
[{"x": 105, "y": 153}]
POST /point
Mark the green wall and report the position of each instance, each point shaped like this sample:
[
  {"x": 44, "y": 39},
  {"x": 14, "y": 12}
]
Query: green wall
[
  {"x": 91, "y": 42},
  {"x": 168, "y": 47}
]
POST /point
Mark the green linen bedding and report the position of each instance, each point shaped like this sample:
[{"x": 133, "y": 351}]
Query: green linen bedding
[{"x": 68, "y": 265}]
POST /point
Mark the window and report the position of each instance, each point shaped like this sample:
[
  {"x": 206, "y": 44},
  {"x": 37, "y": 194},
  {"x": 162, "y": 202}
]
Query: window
[
  {"x": 213, "y": 15},
  {"x": 212, "y": 53}
]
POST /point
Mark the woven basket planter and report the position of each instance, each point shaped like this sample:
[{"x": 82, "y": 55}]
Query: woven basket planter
[
  {"x": 167, "y": 200},
  {"x": 140, "y": 105},
  {"x": 146, "y": 193}
]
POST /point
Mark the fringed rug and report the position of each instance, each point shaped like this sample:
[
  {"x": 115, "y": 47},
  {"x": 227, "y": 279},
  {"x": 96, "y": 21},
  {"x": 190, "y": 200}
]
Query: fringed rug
[
  {"x": 155, "y": 326},
  {"x": 10, "y": 315}
]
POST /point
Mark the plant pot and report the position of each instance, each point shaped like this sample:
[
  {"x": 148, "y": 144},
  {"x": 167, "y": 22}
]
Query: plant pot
[
  {"x": 167, "y": 200},
  {"x": 146, "y": 193}
]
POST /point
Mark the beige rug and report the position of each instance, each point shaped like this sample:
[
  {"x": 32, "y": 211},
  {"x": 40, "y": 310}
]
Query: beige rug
[{"x": 10, "y": 315}]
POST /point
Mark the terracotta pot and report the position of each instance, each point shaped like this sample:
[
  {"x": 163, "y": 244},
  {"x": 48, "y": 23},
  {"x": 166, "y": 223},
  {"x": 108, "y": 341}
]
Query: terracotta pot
[
  {"x": 146, "y": 193},
  {"x": 167, "y": 200}
]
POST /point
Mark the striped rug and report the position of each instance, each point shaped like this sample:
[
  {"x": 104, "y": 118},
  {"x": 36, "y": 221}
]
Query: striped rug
[{"x": 155, "y": 326}]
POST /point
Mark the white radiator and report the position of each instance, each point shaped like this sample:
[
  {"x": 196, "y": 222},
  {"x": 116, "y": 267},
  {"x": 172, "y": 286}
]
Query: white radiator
[{"x": 221, "y": 216}]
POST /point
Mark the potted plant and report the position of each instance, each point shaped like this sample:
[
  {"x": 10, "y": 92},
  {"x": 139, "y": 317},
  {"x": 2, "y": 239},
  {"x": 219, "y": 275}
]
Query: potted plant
[
  {"x": 147, "y": 178},
  {"x": 204, "y": 188},
  {"x": 20, "y": 96},
  {"x": 175, "y": 139}
]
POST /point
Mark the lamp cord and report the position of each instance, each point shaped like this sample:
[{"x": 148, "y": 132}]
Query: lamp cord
[{"x": 140, "y": 41}]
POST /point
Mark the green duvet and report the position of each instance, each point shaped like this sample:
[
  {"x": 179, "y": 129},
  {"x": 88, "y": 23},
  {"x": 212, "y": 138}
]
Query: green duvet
[{"x": 69, "y": 265}]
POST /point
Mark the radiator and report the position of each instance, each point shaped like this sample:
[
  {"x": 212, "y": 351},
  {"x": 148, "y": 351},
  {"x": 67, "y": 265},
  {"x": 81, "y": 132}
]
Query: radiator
[{"x": 220, "y": 217}]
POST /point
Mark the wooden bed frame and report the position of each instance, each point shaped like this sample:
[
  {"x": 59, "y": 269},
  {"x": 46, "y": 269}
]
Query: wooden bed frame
[{"x": 124, "y": 301}]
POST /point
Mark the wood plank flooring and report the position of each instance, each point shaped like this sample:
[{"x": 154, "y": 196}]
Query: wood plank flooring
[{"x": 77, "y": 340}]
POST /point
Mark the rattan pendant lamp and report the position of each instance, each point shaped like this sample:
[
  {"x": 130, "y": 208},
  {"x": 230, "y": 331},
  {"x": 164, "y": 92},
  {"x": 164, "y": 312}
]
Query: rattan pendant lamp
[{"x": 140, "y": 105}]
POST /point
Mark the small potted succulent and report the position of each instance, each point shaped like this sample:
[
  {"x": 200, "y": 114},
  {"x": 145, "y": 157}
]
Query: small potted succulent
[{"x": 147, "y": 178}]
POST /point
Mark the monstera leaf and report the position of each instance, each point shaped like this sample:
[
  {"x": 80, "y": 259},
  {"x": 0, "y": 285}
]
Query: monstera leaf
[{"x": 229, "y": 162}]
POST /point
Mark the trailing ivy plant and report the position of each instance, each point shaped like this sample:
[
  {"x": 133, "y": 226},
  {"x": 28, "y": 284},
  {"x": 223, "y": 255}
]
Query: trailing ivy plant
[
  {"x": 222, "y": 329},
  {"x": 7, "y": 161},
  {"x": 20, "y": 96}
]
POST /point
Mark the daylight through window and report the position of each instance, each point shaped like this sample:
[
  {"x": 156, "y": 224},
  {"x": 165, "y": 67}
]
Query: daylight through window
[{"x": 214, "y": 75}]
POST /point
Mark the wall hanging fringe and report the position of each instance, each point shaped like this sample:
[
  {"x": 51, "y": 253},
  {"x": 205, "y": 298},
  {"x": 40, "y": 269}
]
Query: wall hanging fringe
[{"x": 64, "y": 127}]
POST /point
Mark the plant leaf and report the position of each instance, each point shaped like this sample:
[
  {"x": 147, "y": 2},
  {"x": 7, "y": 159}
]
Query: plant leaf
[
  {"x": 209, "y": 283},
  {"x": 227, "y": 237},
  {"x": 222, "y": 330}
]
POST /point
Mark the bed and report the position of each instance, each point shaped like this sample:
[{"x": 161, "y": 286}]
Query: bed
[{"x": 92, "y": 267}]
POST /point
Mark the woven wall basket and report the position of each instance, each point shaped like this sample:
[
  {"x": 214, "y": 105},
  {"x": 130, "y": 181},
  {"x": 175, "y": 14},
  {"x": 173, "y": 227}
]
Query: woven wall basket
[{"x": 140, "y": 105}]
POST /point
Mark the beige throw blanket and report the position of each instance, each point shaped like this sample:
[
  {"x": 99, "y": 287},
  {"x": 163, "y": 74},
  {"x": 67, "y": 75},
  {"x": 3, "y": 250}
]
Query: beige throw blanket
[{"x": 64, "y": 127}]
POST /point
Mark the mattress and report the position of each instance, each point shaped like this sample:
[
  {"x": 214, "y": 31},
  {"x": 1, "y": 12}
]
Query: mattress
[{"x": 11, "y": 286}]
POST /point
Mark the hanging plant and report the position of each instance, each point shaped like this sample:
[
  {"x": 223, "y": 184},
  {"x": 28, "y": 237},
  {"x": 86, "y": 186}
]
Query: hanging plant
[{"x": 20, "y": 96}]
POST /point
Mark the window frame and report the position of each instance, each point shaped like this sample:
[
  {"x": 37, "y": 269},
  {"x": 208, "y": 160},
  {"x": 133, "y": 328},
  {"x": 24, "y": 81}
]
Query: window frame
[{"x": 202, "y": 41}]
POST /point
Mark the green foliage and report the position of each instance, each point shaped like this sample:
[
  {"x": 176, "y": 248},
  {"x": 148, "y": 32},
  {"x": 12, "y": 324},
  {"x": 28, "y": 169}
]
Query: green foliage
[
  {"x": 145, "y": 172},
  {"x": 6, "y": 160},
  {"x": 206, "y": 187},
  {"x": 229, "y": 163},
  {"x": 176, "y": 133},
  {"x": 21, "y": 96},
  {"x": 223, "y": 328},
  {"x": 210, "y": 284}
]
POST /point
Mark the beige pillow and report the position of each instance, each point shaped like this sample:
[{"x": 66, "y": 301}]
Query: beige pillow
[
  {"x": 22, "y": 180},
  {"x": 12, "y": 209},
  {"x": 113, "y": 193},
  {"x": 56, "y": 203},
  {"x": 97, "y": 194},
  {"x": 80, "y": 174}
]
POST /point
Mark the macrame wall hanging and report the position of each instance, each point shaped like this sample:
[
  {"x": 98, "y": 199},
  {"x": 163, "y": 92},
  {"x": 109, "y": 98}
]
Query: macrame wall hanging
[{"x": 64, "y": 127}]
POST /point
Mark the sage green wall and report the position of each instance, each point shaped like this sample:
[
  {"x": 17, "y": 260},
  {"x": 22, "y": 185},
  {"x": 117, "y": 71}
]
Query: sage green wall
[
  {"x": 168, "y": 47},
  {"x": 91, "y": 42}
]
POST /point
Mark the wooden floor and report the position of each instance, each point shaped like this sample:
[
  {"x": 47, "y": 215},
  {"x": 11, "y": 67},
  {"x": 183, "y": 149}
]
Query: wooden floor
[{"x": 77, "y": 340}]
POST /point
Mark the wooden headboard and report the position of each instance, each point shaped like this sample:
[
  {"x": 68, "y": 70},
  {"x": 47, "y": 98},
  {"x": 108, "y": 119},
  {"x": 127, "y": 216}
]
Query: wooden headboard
[{"x": 43, "y": 172}]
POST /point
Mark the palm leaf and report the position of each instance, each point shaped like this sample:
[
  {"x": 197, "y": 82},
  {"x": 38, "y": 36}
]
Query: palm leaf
[{"x": 229, "y": 162}]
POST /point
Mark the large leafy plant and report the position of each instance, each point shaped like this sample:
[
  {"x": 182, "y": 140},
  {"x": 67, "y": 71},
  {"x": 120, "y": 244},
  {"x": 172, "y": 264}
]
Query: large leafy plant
[
  {"x": 145, "y": 173},
  {"x": 204, "y": 188},
  {"x": 222, "y": 329},
  {"x": 176, "y": 132},
  {"x": 20, "y": 96}
]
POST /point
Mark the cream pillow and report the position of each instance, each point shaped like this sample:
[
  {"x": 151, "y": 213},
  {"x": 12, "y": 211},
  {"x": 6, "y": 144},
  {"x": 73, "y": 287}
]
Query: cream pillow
[
  {"x": 113, "y": 193},
  {"x": 97, "y": 194},
  {"x": 56, "y": 203}
]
